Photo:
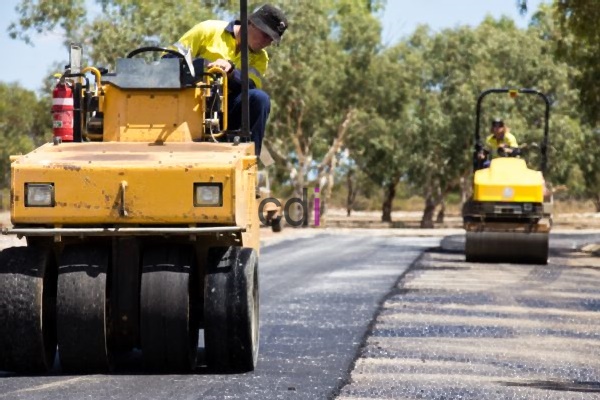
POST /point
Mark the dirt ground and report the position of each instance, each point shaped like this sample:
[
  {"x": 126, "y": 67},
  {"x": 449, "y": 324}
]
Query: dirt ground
[
  {"x": 402, "y": 219},
  {"x": 336, "y": 218},
  {"x": 404, "y": 224}
]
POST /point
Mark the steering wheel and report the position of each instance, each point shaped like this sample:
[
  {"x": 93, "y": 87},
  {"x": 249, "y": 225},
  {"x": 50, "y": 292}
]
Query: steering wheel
[
  {"x": 155, "y": 49},
  {"x": 515, "y": 152}
]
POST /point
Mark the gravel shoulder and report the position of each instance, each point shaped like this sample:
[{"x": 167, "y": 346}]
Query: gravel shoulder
[{"x": 452, "y": 329}]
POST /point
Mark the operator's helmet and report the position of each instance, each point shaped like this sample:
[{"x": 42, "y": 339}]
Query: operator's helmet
[
  {"x": 497, "y": 122},
  {"x": 270, "y": 20}
]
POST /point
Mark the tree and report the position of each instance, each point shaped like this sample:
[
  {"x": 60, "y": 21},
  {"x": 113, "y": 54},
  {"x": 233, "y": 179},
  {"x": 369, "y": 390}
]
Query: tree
[
  {"x": 381, "y": 150},
  {"x": 318, "y": 81},
  {"x": 578, "y": 39},
  {"x": 25, "y": 123}
]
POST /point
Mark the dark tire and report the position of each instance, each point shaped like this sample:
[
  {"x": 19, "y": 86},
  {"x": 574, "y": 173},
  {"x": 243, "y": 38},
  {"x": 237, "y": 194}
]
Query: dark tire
[
  {"x": 276, "y": 224},
  {"x": 231, "y": 309},
  {"x": 82, "y": 309},
  {"x": 27, "y": 309},
  {"x": 125, "y": 295},
  {"x": 168, "y": 309}
]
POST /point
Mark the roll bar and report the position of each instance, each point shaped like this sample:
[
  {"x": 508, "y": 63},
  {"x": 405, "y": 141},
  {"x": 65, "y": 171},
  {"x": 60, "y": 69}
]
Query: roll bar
[{"x": 514, "y": 93}]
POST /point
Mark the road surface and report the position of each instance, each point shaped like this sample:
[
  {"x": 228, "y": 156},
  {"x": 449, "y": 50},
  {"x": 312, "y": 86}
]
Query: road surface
[{"x": 318, "y": 296}]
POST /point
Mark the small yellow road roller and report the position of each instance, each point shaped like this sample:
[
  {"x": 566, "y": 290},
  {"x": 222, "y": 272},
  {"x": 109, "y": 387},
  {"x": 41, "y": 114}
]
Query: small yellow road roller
[{"x": 509, "y": 215}]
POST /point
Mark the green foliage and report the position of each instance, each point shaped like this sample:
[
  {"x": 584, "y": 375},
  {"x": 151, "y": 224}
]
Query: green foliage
[
  {"x": 127, "y": 24},
  {"x": 588, "y": 162},
  {"x": 121, "y": 26},
  {"x": 579, "y": 45},
  {"x": 24, "y": 123},
  {"x": 45, "y": 16},
  {"x": 317, "y": 76},
  {"x": 414, "y": 101}
]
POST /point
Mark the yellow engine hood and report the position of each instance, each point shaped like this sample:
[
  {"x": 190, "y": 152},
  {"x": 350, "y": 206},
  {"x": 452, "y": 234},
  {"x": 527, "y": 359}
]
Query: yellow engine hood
[
  {"x": 135, "y": 183},
  {"x": 508, "y": 179}
]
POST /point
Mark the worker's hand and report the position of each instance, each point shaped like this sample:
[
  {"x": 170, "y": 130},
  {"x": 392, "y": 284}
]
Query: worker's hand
[
  {"x": 225, "y": 65},
  {"x": 481, "y": 155}
]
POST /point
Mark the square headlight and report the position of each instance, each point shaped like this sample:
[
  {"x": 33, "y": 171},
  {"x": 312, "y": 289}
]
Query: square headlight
[
  {"x": 208, "y": 194},
  {"x": 39, "y": 195}
]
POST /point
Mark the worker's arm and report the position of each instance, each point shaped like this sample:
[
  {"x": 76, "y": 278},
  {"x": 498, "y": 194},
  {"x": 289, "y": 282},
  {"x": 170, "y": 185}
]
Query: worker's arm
[
  {"x": 235, "y": 81},
  {"x": 511, "y": 147},
  {"x": 512, "y": 141},
  {"x": 257, "y": 66},
  {"x": 490, "y": 145}
]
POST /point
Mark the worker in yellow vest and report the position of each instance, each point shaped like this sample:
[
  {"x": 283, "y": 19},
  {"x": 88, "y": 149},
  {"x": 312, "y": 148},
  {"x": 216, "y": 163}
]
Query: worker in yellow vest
[
  {"x": 217, "y": 44},
  {"x": 500, "y": 143}
]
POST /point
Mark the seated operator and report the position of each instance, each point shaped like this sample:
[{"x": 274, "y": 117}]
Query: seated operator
[
  {"x": 500, "y": 143},
  {"x": 217, "y": 44}
]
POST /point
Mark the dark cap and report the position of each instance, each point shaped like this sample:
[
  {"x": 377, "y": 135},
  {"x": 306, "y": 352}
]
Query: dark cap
[
  {"x": 497, "y": 122},
  {"x": 270, "y": 20}
]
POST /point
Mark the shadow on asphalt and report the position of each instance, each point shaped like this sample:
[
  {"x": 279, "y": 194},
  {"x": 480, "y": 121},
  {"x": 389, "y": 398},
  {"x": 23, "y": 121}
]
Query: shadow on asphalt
[
  {"x": 575, "y": 386},
  {"x": 561, "y": 244}
]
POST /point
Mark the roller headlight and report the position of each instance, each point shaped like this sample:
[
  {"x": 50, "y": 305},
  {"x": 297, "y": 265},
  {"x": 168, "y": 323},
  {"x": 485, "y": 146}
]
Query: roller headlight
[
  {"x": 208, "y": 194},
  {"x": 39, "y": 195}
]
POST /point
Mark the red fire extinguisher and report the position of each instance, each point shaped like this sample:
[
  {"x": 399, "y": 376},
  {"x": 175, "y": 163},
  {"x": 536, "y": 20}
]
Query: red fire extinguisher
[{"x": 62, "y": 111}]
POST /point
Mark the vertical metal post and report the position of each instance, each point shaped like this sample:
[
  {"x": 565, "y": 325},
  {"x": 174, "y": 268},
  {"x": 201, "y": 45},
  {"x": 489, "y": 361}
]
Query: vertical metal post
[
  {"x": 75, "y": 56},
  {"x": 545, "y": 142},
  {"x": 245, "y": 128}
]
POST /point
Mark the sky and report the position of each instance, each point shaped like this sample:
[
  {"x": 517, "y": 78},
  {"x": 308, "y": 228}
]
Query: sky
[{"x": 29, "y": 66}]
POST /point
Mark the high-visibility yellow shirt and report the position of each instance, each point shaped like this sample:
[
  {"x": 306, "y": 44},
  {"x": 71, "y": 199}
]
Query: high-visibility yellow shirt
[
  {"x": 492, "y": 144},
  {"x": 212, "y": 40}
]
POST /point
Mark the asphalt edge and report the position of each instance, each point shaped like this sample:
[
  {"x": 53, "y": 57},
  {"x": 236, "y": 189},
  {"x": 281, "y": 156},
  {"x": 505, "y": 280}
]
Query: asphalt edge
[{"x": 393, "y": 291}]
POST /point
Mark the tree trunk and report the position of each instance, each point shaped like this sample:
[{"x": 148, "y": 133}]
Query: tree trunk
[
  {"x": 427, "y": 219},
  {"x": 596, "y": 201},
  {"x": 390, "y": 193},
  {"x": 351, "y": 193},
  {"x": 327, "y": 192},
  {"x": 464, "y": 195},
  {"x": 327, "y": 166},
  {"x": 311, "y": 206},
  {"x": 441, "y": 212}
]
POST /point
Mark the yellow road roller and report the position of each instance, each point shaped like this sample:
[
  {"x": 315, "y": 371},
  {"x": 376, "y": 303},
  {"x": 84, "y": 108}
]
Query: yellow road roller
[
  {"x": 509, "y": 215},
  {"x": 141, "y": 225}
]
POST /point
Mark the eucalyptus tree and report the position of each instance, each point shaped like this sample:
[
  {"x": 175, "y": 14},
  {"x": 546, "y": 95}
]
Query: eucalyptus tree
[
  {"x": 445, "y": 116},
  {"x": 385, "y": 124},
  {"x": 317, "y": 82},
  {"x": 24, "y": 123},
  {"x": 578, "y": 39},
  {"x": 571, "y": 26}
]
